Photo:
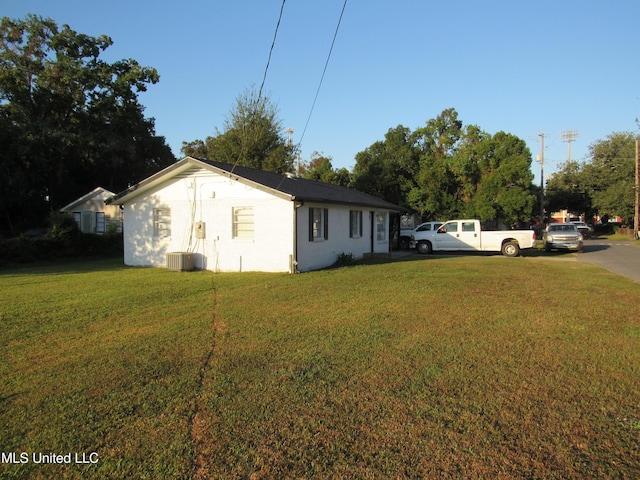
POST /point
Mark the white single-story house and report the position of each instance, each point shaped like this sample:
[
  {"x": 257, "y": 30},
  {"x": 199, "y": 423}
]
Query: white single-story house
[
  {"x": 227, "y": 218},
  {"x": 92, "y": 214}
]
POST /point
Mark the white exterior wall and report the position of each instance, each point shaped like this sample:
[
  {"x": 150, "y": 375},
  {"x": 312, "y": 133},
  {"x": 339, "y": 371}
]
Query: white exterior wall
[
  {"x": 322, "y": 253},
  {"x": 202, "y": 196}
]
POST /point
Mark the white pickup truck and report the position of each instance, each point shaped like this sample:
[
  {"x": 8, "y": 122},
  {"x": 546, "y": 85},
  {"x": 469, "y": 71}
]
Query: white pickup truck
[
  {"x": 468, "y": 235},
  {"x": 406, "y": 234}
]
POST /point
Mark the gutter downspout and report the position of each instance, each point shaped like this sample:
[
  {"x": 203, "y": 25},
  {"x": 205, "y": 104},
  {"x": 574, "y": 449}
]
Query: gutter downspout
[
  {"x": 372, "y": 216},
  {"x": 293, "y": 267}
]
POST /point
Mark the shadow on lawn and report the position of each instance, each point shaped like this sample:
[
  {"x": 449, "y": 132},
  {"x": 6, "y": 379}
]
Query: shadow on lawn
[
  {"x": 58, "y": 267},
  {"x": 413, "y": 255}
]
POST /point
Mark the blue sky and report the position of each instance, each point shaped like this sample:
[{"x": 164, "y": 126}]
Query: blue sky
[{"x": 520, "y": 67}]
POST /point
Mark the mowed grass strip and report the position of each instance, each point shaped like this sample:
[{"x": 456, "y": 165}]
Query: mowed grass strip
[
  {"x": 440, "y": 368},
  {"x": 100, "y": 358},
  {"x": 436, "y": 368}
]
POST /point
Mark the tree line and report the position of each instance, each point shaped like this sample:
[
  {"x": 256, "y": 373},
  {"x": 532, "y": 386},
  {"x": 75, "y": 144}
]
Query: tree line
[
  {"x": 441, "y": 170},
  {"x": 600, "y": 186},
  {"x": 70, "y": 122}
]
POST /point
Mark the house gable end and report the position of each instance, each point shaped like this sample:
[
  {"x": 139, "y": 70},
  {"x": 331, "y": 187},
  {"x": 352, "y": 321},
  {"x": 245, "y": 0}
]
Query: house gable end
[{"x": 98, "y": 192}]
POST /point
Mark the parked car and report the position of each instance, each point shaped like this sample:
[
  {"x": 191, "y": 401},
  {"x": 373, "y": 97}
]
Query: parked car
[
  {"x": 584, "y": 229},
  {"x": 406, "y": 235},
  {"x": 563, "y": 236}
]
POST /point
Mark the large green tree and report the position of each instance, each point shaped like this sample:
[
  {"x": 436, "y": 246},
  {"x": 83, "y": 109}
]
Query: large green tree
[
  {"x": 69, "y": 121},
  {"x": 436, "y": 192},
  {"x": 446, "y": 170},
  {"x": 503, "y": 189},
  {"x": 603, "y": 185},
  {"x": 253, "y": 137},
  {"x": 568, "y": 189},
  {"x": 319, "y": 168},
  {"x": 388, "y": 169},
  {"x": 610, "y": 175}
]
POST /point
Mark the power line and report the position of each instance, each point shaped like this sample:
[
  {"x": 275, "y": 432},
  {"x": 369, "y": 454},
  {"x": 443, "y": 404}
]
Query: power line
[
  {"x": 322, "y": 77},
  {"x": 275, "y": 34},
  {"x": 264, "y": 78}
]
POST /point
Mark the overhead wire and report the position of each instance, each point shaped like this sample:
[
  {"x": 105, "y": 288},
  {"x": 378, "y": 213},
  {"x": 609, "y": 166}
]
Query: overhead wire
[
  {"x": 322, "y": 77},
  {"x": 264, "y": 78},
  {"x": 273, "y": 43}
]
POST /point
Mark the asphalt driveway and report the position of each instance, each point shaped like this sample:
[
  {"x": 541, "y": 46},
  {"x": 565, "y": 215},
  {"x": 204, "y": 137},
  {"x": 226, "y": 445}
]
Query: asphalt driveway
[{"x": 618, "y": 257}]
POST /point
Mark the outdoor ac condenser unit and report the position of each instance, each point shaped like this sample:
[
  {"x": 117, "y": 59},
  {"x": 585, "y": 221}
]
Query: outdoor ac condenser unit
[{"x": 180, "y": 261}]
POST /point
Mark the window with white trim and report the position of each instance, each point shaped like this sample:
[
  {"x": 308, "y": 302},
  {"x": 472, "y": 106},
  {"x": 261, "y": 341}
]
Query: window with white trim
[
  {"x": 161, "y": 222},
  {"x": 381, "y": 226},
  {"x": 318, "y": 224},
  {"x": 243, "y": 222},
  {"x": 101, "y": 225},
  {"x": 77, "y": 216}
]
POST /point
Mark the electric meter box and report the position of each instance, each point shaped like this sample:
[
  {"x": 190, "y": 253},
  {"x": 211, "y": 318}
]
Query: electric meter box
[{"x": 200, "y": 229}]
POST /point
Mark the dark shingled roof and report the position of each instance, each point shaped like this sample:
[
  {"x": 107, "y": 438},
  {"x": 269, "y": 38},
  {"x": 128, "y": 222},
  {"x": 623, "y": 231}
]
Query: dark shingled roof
[
  {"x": 305, "y": 190},
  {"x": 287, "y": 186}
]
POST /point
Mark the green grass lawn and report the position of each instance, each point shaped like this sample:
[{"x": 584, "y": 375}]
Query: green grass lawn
[{"x": 461, "y": 367}]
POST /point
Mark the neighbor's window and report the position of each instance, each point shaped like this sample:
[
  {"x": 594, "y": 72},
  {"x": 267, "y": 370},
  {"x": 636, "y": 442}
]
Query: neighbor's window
[
  {"x": 381, "y": 226},
  {"x": 355, "y": 224},
  {"x": 100, "y": 222},
  {"x": 161, "y": 222},
  {"x": 243, "y": 225},
  {"x": 318, "y": 224}
]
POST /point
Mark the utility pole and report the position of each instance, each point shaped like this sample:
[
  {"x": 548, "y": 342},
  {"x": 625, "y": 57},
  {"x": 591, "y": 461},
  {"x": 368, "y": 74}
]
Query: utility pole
[
  {"x": 569, "y": 136},
  {"x": 290, "y": 141},
  {"x": 540, "y": 158},
  {"x": 636, "y": 219}
]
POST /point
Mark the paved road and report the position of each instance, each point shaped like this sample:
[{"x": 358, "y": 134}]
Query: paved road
[
  {"x": 619, "y": 257},
  {"x": 622, "y": 258}
]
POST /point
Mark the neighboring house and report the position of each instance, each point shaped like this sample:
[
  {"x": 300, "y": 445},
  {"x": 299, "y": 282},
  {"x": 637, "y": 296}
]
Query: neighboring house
[
  {"x": 92, "y": 214},
  {"x": 233, "y": 219}
]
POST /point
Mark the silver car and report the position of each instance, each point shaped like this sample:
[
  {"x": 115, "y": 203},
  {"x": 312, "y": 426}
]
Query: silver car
[
  {"x": 563, "y": 236},
  {"x": 584, "y": 229}
]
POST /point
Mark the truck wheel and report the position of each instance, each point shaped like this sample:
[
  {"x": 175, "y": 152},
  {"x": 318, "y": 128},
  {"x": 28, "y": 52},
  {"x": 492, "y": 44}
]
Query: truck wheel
[
  {"x": 510, "y": 249},
  {"x": 424, "y": 247}
]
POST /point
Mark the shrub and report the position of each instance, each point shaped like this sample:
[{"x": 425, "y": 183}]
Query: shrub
[
  {"x": 61, "y": 225},
  {"x": 344, "y": 260}
]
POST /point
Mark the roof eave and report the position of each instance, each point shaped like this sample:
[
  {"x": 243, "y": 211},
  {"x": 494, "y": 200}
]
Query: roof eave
[
  {"x": 86, "y": 197},
  {"x": 152, "y": 181}
]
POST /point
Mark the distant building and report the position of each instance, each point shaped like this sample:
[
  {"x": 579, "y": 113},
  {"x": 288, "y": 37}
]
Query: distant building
[{"x": 92, "y": 214}]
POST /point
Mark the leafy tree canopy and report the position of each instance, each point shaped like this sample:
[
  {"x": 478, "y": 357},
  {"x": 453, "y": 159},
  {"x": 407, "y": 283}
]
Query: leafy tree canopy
[
  {"x": 69, "y": 121},
  {"x": 252, "y": 137},
  {"x": 321, "y": 170},
  {"x": 387, "y": 169},
  {"x": 446, "y": 170},
  {"x": 603, "y": 185}
]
